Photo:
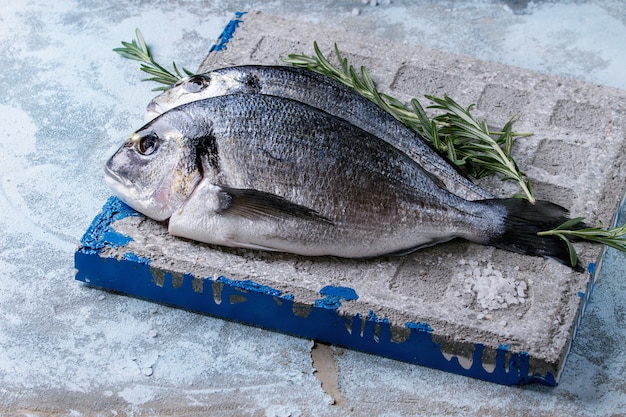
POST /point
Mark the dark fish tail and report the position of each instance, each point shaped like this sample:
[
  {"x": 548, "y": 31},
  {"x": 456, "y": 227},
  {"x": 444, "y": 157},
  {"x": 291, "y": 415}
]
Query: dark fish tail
[{"x": 522, "y": 222}]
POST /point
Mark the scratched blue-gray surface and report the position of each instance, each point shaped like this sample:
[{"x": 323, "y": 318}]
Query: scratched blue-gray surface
[{"x": 67, "y": 102}]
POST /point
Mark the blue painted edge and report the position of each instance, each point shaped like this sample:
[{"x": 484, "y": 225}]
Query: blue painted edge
[
  {"x": 227, "y": 33},
  {"x": 252, "y": 303},
  {"x": 100, "y": 234}
]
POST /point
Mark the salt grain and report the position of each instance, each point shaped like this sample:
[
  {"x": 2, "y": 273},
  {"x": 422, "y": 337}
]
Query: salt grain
[{"x": 490, "y": 287}]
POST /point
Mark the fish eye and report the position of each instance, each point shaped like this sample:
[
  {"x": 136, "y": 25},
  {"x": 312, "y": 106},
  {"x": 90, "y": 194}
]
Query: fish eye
[
  {"x": 147, "y": 144},
  {"x": 196, "y": 83}
]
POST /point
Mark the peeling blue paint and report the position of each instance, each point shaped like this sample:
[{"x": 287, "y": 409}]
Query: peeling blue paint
[
  {"x": 420, "y": 327},
  {"x": 333, "y": 296},
  {"x": 227, "y": 33},
  {"x": 100, "y": 233},
  {"x": 130, "y": 256},
  {"x": 591, "y": 268},
  {"x": 371, "y": 316},
  {"x": 248, "y": 285}
]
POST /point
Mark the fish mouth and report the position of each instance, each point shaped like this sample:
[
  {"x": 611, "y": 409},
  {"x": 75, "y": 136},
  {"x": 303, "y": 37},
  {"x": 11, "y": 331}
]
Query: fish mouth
[
  {"x": 120, "y": 186},
  {"x": 123, "y": 189},
  {"x": 153, "y": 110},
  {"x": 131, "y": 194},
  {"x": 112, "y": 178}
]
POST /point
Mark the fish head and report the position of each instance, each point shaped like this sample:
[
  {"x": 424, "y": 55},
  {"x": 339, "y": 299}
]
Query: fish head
[
  {"x": 200, "y": 86},
  {"x": 156, "y": 170}
]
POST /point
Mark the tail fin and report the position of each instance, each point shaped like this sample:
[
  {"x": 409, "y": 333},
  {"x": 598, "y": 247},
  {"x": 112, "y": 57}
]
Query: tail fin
[{"x": 523, "y": 221}]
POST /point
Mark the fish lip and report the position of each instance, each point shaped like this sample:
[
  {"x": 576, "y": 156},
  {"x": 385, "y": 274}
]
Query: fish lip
[
  {"x": 114, "y": 180},
  {"x": 152, "y": 106},
  {"x": 122, "y": 188},
  {"x": 109, "y": 173},
  {"x": 153, "y": 110}
]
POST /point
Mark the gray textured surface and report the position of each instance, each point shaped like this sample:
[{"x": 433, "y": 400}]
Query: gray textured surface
[{"x": 67, "y": 103}]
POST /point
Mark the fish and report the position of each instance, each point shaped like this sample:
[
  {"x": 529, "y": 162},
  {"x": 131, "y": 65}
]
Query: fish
[
  {"x": 275, "y": 174},
  {"x": 323, "y": 93}
]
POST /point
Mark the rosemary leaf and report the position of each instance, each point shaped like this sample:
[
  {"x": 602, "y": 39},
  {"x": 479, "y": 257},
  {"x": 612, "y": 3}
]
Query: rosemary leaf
[
  {"x": 613, "y": 237},
  {"x": 138, "y": 50}
]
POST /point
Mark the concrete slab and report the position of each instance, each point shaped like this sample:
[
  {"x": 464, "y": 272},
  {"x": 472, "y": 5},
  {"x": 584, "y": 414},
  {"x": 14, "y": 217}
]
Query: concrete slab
[{"x": 460, "y": 307}]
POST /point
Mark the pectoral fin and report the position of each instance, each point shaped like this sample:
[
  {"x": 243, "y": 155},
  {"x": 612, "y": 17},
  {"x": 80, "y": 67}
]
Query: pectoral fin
[{"x": 255, "y": 205}]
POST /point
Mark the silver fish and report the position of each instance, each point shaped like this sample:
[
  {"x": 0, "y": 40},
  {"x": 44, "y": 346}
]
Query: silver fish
[
  {"x": 326, "y": 94},
  {"x": 270, "y": 173}
]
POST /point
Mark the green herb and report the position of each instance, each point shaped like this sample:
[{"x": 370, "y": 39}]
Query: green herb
[
  {"x": 138, "y": 51},
  {"x": 466, "y": 142},
  {"x": 615, "y": 237},
  {"x": 470, "y": 141}
]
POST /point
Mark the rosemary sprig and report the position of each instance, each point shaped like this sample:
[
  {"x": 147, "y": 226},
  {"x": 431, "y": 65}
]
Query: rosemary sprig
[
  {"x": 466, "y": 142},
  {"x": 471, "y": 141},
  {"x": 615, "y": 237},
  {"x": 138, "y": 50}
]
